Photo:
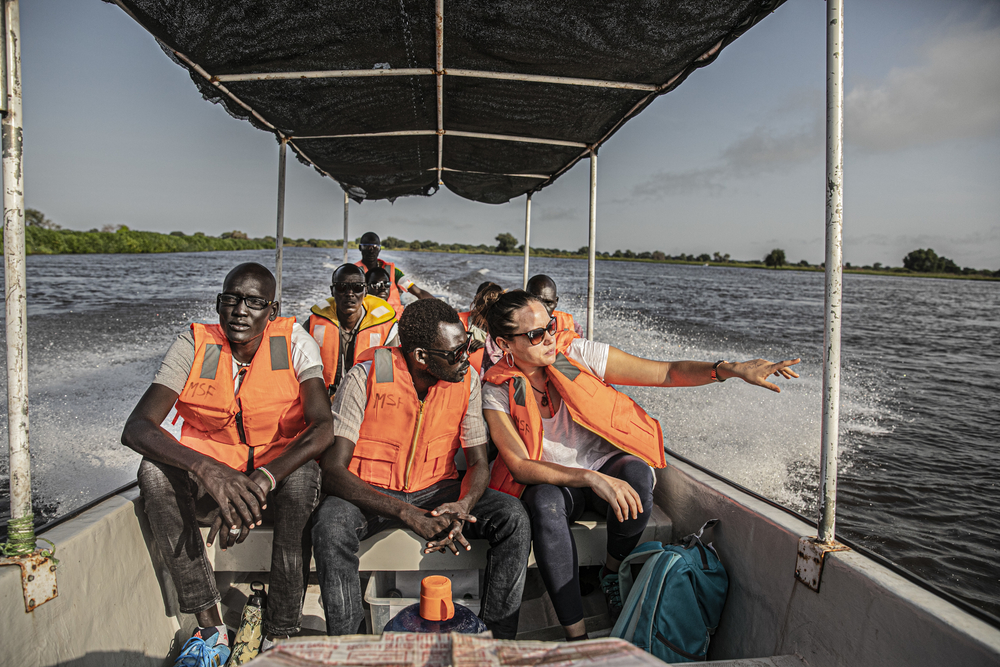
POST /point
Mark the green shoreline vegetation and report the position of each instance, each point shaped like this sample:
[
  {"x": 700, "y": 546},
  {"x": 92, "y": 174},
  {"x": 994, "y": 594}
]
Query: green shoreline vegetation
[{"x": 44, "y": 237}]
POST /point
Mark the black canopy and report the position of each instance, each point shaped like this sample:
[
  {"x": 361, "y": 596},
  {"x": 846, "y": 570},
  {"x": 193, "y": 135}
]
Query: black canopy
[{"x": 492, "y": 98}]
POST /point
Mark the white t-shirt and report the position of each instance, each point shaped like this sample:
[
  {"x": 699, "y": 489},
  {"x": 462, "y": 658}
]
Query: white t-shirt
[{"x": 565, "y": 442}]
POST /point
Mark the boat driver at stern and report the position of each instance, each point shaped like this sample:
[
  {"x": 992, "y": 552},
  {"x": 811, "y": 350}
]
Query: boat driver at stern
[
  {"x": 256, "y": 418},
  {"x": 400, "y": 416}
]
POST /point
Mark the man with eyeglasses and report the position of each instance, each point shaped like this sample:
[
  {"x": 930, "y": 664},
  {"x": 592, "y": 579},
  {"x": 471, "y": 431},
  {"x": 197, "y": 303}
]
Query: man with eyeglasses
[
  {"x": 401, "y": 416},
  {"x": 370, "y": 246},
  {"x": 544, "y": 288},
  {"x": 348, "y": 323},
  {"x": 256, "y": 417}
]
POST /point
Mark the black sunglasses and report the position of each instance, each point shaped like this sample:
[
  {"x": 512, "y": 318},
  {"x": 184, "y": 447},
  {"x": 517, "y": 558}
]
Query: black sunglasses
[
  {"x": 369, "y": 246},
  {"x": 343, "y": 288},
  {"x": 535, "y": 336},
  {"x": 233, "y": 300},
  {"x": 378, "y": 287},
  {"x": 452, "y": 356}
]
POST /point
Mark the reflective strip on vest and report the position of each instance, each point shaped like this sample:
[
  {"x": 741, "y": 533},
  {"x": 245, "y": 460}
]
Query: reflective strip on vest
[
  {"x": 210, "y": 365},
  {"x": 383, "y": 366},
  {"x": 319, "y": 333},
  {"x": 279, "y": 353}
]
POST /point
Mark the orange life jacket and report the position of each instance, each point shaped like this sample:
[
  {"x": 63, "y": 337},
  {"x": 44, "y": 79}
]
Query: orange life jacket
[
  {"x": 564, "y": 321},
  {"x": 591, "y": 403},
  {"x": 372, "y": 332},
  {"x": 394, "y": 299},
  {"x": 249, "y": 430},
  {"x": 405, "y": 444},
  {"x": 476, "y": 358}
]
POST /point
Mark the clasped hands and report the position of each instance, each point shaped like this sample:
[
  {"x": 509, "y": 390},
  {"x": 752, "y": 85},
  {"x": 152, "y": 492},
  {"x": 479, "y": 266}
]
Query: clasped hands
[
  {"x": 240, "y": 498},
  {"x": 441, "y": 527}
]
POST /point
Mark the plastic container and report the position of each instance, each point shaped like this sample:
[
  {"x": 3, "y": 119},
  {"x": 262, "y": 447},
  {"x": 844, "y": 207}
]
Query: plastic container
[
  {"x": 436, "y": 612},
  {"x": 388, "y": 593}
]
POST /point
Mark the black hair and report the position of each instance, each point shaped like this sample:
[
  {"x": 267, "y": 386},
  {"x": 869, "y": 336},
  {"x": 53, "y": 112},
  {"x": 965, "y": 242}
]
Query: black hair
[
  {"x": 483, "y": 286},
  {"x": 539, "y": 282},
  {"x": 346, "y": 270},
  {"x": 418, "y": 327},
  {"x": 499, "y": 312},
  {"x": 256, "y": 270},
  {"x": 371, "y": 237},
  {"x": 378, "y": 274}
]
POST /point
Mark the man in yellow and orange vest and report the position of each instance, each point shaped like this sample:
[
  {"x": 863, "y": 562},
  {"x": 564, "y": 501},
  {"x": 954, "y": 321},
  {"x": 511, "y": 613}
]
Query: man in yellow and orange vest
[
  {"x": 370, "y": 246},
  {"x": 256, "y": 417},
  {"x": 348, "y": 323},
  {"x": 544, "y": 288},
  {"x": 401, "y": 415}
]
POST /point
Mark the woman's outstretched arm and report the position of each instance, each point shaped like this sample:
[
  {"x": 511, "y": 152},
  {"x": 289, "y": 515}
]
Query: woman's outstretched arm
[{"x": 626, "y": 369}]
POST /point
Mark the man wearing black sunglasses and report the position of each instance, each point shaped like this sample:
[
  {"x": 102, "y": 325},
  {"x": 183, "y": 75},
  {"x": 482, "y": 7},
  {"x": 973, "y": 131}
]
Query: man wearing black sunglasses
[
  {"x": 401, "y": 416},
  {"x": 378, "y": 283},
  {"x": 348, "y": 323},
  {"x": 370, "y": 246},
  {"x": 256, "y": 417}
]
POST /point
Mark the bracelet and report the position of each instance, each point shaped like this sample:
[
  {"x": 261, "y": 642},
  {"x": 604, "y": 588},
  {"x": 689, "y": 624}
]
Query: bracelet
[
  {"x": 715, "y": 371},
  {"x": 270, "y": 477}
]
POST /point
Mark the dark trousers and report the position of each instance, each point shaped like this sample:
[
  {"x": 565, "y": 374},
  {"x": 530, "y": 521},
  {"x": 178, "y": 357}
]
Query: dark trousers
[
  {"x": 177, "y": 505},
  {"x": 554, "y": 508},
  {"x": 339, "y": 527}
]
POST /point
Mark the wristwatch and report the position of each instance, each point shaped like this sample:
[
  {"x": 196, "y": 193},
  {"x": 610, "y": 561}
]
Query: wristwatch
[{"x": 715, "y": 371}]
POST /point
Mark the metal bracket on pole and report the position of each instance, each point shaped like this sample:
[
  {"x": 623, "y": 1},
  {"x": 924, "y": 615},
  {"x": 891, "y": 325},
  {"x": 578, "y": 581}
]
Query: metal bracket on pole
[
  {"x": 38, "y": 576},
  {"x": 810, "y": 559}
]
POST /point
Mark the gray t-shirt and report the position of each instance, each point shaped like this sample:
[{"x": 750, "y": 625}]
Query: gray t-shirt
[
  {"x": 565, "y": 442},
  {"x": 177, "y": 362}
]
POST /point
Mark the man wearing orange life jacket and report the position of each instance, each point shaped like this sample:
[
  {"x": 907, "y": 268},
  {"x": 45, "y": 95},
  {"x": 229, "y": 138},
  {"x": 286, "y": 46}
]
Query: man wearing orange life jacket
[
  {"x": 401, "y": 415},
  {"x": 544, "y": 288},
  {"x": 348, "y": 323},
  {"x": 256, "y": 416},
  {"x": 370, "y": 246}
]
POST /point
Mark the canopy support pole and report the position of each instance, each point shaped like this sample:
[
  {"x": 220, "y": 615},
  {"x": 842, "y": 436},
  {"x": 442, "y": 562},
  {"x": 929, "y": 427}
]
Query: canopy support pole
[
  {"x": 592, "y": 251},
  {"x": 527, "y": 238},
  {"x": 833, "y": 298},
  {"x": 347, "y": 201},
  {"x": 279, "y": 239},
  {"x": 21, "y": 531},
  {"x": 439, "y": 79}
]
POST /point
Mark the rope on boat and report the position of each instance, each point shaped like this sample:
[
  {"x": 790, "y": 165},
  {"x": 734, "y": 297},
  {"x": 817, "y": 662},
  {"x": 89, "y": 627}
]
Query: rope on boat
[{"x": 20, "y": 537}]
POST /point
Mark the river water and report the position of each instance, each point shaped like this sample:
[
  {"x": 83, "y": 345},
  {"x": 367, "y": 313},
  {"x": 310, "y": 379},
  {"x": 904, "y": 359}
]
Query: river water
[{"x": 920, "y": 432}]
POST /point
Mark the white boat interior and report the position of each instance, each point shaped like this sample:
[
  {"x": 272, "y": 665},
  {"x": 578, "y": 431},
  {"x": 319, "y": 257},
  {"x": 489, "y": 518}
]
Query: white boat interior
[{"x": 116, "y": 605}]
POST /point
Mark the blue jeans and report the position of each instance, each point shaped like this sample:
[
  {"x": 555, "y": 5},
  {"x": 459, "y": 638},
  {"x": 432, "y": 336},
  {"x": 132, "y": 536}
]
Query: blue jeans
[
  {"x": 177, "y": 505},
  {"x": 339, "y": 527},
  {"x": 554, "y": 508}
]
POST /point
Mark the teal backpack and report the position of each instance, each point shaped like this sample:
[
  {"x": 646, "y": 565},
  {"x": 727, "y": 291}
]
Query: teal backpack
[{"x": 674, "y": 606}]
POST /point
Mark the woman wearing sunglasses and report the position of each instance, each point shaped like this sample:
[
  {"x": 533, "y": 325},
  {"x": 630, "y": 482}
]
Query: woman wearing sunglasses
[{"x": 569, "y": 441}]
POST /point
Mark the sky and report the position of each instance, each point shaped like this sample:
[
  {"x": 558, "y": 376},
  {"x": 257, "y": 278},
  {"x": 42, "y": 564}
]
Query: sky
[{"x": 732, "y": 161}]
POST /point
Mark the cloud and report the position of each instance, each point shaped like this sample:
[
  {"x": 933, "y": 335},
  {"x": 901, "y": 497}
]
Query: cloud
[
  {"x": 764, "y": 150},
  {"x": 953, "y": 93}
]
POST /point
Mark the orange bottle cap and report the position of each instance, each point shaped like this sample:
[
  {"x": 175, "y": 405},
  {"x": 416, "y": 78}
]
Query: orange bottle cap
[{"x": 435, "y": 598}]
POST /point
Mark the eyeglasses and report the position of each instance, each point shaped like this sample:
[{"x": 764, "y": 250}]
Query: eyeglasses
[
  {"x": 452, "y": 356},
  {"x": 369, "y": 246},
  {"x": 233, "y": 300},
  {"x": 343, "y": 288},
  {"x": 378, "y": 287},
  {"x": 535, "y": 336}
]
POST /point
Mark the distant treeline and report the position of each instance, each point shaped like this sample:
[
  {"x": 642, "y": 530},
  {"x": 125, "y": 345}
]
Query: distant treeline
[{"x": 44, "y": 237}]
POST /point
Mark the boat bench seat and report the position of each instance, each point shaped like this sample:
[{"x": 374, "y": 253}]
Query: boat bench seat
[{"x": 400, "y": 549}]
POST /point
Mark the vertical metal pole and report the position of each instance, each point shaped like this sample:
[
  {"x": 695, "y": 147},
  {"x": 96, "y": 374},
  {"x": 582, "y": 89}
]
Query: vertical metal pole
[
  {"x": 17, "y": 305},
  {"x": 592, "y": 254},
  {"x": 279, "y": 239},
  {"x": 527, "y": 238},
  {"x": 833, "y": 299},
  {"x": 439, "y": 78},
  {"x": 347, "y": 201}
]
